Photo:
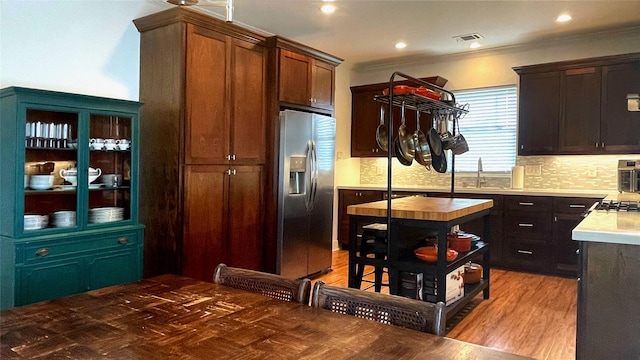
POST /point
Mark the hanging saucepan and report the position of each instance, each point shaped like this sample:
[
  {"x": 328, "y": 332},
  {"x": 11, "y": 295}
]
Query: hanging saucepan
[
  {"x": 398, "y": 152},
  {"x": 422, "y": 152},
  {"x": 382, "y": 133},
  {"x": 405, "y": 139},
  {"x": 438, "y": 157}
]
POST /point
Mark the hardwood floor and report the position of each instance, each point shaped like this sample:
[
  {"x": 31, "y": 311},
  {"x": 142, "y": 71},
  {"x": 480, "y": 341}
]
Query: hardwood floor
[{"x": 526, "y": 314}]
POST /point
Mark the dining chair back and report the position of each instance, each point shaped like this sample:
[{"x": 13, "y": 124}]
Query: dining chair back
[
  {"x": 271, "y": 285},
  {"x": 389, "y": 309}
]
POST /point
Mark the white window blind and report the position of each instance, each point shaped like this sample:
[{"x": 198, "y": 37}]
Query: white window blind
[{"x": 489, "y": 128}]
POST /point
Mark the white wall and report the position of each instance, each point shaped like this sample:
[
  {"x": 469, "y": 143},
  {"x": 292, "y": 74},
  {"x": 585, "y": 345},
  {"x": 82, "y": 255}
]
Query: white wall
[{"x": 87, "y": 47}]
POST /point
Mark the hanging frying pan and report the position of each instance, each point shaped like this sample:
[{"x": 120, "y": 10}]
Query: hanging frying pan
[
  {"x": 438, "y": 157},
  {"x": 382, "y": 132},
  {"x": 407, "y": 146},
  {"x": 422, "y": 151},
  {"x": 398, "y": 152}
]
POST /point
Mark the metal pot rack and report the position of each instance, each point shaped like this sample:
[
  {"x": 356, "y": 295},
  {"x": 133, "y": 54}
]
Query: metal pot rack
[{"x": 424, "y": 105}]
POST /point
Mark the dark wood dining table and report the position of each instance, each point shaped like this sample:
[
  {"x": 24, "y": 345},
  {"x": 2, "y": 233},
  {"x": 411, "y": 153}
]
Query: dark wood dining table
[{"x": 173, "y": 317}]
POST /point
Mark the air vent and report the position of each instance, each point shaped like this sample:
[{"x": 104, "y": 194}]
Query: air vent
[{"x": 468, "y": 37}]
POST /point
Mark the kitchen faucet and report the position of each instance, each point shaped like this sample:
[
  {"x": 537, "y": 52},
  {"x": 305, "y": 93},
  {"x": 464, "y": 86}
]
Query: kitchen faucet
[{"x": 478, "y": 181}]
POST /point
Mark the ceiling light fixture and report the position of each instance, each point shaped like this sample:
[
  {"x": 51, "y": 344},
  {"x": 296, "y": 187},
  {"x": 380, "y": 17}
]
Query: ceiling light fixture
[
  {"x": 401, "y": 45},
  {"x": 563, "y": 18},
  {"x": 475, "y": 45},
  {"x": 328, "y": 8}
]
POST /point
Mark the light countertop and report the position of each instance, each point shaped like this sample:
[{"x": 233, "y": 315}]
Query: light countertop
[
  {"x": 619, "y": 227},
  {"x": 488, "y": 190}
]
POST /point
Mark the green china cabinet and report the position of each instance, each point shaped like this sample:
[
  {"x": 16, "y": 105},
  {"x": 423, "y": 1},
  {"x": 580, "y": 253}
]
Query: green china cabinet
[{"x": 69, "y": 194}]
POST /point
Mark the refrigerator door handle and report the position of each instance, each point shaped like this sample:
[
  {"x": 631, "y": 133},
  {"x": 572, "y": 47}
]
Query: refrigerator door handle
[
  {"x": 308, "y": 177},
  {"x": 314, "y": 173}
]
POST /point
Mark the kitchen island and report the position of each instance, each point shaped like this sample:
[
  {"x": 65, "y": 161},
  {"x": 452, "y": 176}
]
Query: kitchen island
[
  {"x": 608, "y": 322},
  {"x": 412, "y": 220}
]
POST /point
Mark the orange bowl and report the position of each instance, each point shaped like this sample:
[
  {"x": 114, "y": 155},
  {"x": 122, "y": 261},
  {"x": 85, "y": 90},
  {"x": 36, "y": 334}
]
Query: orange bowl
[{"x": 430, "y": 254}]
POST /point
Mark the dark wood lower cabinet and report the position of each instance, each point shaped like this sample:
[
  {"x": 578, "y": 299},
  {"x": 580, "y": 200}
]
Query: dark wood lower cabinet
[
  {"x": 352, "y": 197},
  {"x": 223, "y": 219}
]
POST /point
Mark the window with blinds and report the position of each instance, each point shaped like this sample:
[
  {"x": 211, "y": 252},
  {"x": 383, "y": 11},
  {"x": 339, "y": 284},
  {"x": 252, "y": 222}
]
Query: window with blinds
[{"x": 489, "y": 128}]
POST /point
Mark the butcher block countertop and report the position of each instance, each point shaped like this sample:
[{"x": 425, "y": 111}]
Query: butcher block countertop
[{"x": 422, "y": 208}]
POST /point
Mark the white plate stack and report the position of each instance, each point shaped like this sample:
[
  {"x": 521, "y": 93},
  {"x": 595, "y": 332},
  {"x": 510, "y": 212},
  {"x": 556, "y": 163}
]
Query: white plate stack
[
  {"x": 105, "y": 214},
  {"x": 64, "y": 219},
  {"x": 35, "y": 222}
]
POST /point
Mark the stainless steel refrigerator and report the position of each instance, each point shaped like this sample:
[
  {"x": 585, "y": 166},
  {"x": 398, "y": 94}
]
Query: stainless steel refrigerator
[{"x": 305, "y": 193}]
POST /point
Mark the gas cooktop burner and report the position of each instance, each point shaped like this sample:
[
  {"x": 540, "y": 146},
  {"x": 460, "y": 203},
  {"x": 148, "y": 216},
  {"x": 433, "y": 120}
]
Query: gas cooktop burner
[{"x": 615, "y": 205}]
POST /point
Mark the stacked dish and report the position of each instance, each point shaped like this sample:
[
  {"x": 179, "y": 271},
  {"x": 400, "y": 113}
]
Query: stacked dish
[
  {"x": 105, "y": 214},
  {"x": 64, "y": 218},
  {"x": 35, "y": 222}
]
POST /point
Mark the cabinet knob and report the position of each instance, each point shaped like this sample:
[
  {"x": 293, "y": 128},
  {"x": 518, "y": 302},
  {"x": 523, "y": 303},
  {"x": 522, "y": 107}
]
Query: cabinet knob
[
  {"x": 42, "y": 252},
  {"x": 526, "y": 252},
  {"x": 577, "y": 206},
  {"x": 525, "y": 203},
  {"x": 233, "y": 157},
  {"x": 123, "y": 240},
  {"x": 603, "y": 145},
  {"x": 231, "y": 172},
  {"x": 525, "y": 225},
  {"x": 596, "y": 145}
]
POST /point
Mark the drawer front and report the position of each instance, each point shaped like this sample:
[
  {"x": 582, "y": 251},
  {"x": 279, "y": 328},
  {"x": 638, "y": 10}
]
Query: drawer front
[
  {"x": 528, "y": 255},
  {"x": 529, "y": 203},
  {"x": 528, "y": 226},
  {"x": 570, "y": 205},
  {"x": 61, "y": 248}
]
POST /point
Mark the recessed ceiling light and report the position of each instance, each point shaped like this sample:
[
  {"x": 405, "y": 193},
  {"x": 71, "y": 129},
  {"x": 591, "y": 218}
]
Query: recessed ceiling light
[
  {"x": 475, "y": 45},
  {"x": 563, "y": 18},
  {"x": 401, "y": 45},
  {"x": 328, "y": 8}
]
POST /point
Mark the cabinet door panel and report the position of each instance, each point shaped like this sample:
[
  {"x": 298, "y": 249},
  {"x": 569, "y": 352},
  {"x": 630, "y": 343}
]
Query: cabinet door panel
[
  {"x": 205, "y": 94},
  {"x": 322, "y": 85},
  {"x": 365, "y": 118},
  {"x": 246, "y": 218},
  {"x": 112, "y": 268},
  {"x": 538, "y": 125},
  {"x": 295, "y": 81},
  {"x": 205, "y": 220},
  {"x": 352, "y": 197},
  {"x": 620, "y": 129},
  {"x": 249, "y": 100},
  {"x": 580, "y": 122},
  {"x": 50, "y": 280}
]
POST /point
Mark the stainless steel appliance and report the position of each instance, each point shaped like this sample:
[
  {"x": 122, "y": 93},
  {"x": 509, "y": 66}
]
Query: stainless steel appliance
[
  {"x": 305, "y": 193},
  {"x": 629, "y": 175}
]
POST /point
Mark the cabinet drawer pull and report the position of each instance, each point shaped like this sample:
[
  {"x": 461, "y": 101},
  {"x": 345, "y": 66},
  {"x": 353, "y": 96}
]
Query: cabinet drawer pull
[
  {"x": 42, "y": 252},
  {"x": 123, "y": 240},
  {"x": 526, "y": 252},
  {"x": 525, "y": 203},
  {"x": 525, "y": 225},
  {"x": 577, "y": 206}
]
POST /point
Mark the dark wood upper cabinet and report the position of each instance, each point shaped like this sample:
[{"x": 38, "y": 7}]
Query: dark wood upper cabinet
[
  {"x": 365, "y": 117},
  {"x": 539, "y": 113},
  {"x": 620, "y": 128},
  {"x": 306, "y": 81},
  {"x": 580, "y": 120},
  {"x": 579, "y": 107}
]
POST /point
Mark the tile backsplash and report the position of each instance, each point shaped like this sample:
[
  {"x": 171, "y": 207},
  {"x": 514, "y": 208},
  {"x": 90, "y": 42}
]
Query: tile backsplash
[{"x": 580, "y": 172}]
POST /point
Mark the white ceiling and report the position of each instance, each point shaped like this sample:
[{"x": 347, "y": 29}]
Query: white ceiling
[{"x": 365, "y": 31}]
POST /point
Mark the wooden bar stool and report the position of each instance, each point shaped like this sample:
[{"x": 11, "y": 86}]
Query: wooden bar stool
[{"x": 374, "y": 242}]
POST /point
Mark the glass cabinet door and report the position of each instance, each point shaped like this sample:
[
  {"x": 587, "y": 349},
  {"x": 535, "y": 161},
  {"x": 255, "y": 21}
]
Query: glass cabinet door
[
  {"x": 109, "y": 173},
  {"x": 50, "y": 147}
]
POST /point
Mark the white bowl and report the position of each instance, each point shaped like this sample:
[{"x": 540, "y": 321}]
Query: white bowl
[{"x": 41, "y": 182}]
